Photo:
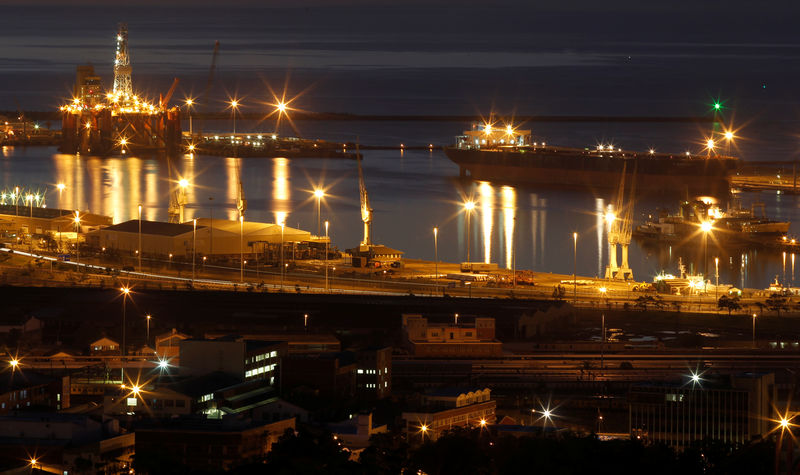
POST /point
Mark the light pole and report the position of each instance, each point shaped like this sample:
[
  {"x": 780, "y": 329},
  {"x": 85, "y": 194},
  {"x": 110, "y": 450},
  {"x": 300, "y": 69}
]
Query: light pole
[
  {"x": 125, "y": 291},
  {"x": 468, "y": 206},
  {"x": 574, "y": 268},
  {"x": 716, "y": 276},
  {"x": 436, "y": 251},
  {"x": 754, "y": 330},
  {"x": 327, "y": 242},
  {"x": 30, "y": 229},
  {"x": 729, "y": 138},
  {"x": 189, "y": 103},
  {"x": 140, "y": 238},
  {"x": 147, "y": 319},
  {"x": 211, "y": 228},
  {"x": 319, "y": 193},
  {"x": 241, "y": 248},
  {"x": 194, "y": 246},
  {"x": 234, "y": 106},
  {"x": 513, "y": 253},
  {"x": 282, "y": 268},
  {"x": 706, "y": 228},
  {"x": 77, "y": 221}
]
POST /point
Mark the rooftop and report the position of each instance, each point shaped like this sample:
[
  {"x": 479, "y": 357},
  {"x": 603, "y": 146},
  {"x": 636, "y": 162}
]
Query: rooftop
[{"x": 158, "y": 228}]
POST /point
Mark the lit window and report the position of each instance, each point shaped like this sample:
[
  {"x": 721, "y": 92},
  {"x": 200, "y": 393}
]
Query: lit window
[
  {"x": 361, "y": 371},
  {"x": 131, "y": 401}
]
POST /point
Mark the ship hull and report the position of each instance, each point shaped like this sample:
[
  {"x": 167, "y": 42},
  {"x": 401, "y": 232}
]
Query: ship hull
[{"x": 590, "y": 171}]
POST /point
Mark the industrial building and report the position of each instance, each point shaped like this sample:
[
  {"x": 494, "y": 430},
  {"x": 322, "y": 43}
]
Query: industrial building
[
  {"x": 443, "y": 409},
  {"x": 734, "y": 409},
  {"x": 22, "y": 219},
  {"x": 216, "y": 239},
  {"x": 457, "y": 340}
]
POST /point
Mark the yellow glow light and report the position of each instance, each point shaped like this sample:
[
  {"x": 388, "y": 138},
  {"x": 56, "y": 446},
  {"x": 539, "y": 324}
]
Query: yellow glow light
[
  {"x": 14, "y": 363},
  {"x": 60, "y": 187},
  {"x": 125, "y": 290},
  {"x": 234, "y": 104},
  {"x": 319, "y": 193},
  {"x": 729, "y": 135},
  {"x": 710, "y": 144},
  {"x": 469, "y": 205},
  {"x": 706, "y": 226},
  {"x": 281, "y": 106},
  {"x": 183, "y": 182},
  {"x": 610, "y": 217}
]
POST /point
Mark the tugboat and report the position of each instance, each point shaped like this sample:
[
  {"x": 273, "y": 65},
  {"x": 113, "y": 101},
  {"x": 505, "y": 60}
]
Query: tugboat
[{"x": 736, "y": 225}]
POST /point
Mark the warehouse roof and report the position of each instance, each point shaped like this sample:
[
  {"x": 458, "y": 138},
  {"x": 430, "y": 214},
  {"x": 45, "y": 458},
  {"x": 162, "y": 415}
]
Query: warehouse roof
[{"x": 158, "y": 228}]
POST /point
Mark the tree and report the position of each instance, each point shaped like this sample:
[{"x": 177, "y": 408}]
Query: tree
[
  {"x": 729, "y": 303},
  {"x": 776, "y": 302}
]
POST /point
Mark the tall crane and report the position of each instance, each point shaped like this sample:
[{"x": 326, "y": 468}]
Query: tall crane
[
  {"x": 241, "y": 202},
  {"x": 366, "y": 210},
  {"x": 203, "y": 103},
  {"x": 621, "y": 229}
]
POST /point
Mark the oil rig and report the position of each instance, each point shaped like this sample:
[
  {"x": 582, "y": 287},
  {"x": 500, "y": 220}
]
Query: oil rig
[{"x": 100, "y": 122}]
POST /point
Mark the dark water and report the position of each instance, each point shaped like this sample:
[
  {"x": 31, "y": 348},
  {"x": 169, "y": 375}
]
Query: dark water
[
  {"x": 644, "y": 60},
  {"x": 411, "y": 193}
]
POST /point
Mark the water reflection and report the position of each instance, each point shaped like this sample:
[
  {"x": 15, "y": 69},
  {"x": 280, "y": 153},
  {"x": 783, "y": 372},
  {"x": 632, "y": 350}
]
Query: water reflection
[
  {"x": 281, "y": 198},
  {"x": 509, "y": 222},
  {"x": 486, "y": 203}
]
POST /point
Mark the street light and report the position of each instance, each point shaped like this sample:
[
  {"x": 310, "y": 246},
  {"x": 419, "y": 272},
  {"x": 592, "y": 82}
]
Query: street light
[
  {"x": 189, "y": 103},
  {"x": 754, "y": 330},
  {"x": 729, "y": 138},
  {"x": 468, "y": 207},
  {"x": 319, "y": 193},
  {"x": 706, "y": 227},
  {"x": 194, "y": 246},
  {"x": 125, "y": 292},
  {"x": 77, "y": 221},
  {"x": 436, "y": 251},
  {"x": 282, "y": 267},
  {"x": 241, "y": 248},
  {"x": 574, "y": 268},
  {"x": 140, "y": 238},
  {"x": 234, "y": 105},
  {"x": 147, "y": 318},
  {"x": 327, "y": 242}
]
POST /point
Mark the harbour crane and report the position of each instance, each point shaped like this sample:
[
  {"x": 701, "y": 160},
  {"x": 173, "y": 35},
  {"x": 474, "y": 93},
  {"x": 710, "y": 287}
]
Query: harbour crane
[
  {"x": 366, "y": 210},
  {"x": 241, "y": 202},
  {"x": 620, "y": 229}
]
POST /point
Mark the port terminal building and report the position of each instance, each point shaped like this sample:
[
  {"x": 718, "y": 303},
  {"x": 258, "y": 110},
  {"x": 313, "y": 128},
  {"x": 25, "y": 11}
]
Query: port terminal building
[
  {"x": 217, "y": 239},
  {"x": 21, "y": 222}
]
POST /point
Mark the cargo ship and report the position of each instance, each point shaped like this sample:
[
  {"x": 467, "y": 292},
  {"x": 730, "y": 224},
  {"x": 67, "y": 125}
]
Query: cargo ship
[{"x": 512, "y": 156}]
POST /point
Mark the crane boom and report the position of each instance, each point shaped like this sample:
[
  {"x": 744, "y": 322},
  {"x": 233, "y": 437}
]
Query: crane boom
[
  {"x": 204, "y": 97},
  {"x": 165, "y": 99}
]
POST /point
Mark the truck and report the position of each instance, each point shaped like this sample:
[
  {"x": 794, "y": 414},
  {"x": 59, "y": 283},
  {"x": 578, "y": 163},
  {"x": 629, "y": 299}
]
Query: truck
[{"x": 476, "y": 267}]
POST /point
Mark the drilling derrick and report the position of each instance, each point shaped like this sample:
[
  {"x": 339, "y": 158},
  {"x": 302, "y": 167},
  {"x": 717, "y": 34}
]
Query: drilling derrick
[
  {"x": 118, "y": 121},
  {"x": 123, "y": 87}
]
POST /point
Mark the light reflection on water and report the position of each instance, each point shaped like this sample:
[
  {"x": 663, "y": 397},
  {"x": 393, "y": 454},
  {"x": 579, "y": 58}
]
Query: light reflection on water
[{"x": 510, "y": 225}]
